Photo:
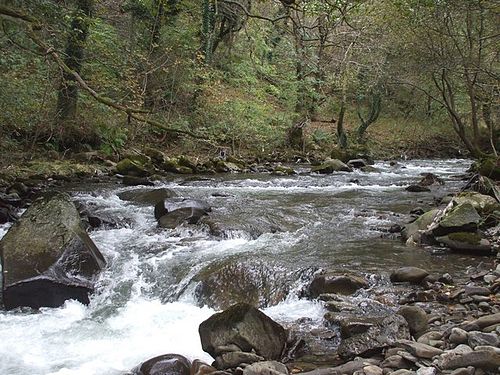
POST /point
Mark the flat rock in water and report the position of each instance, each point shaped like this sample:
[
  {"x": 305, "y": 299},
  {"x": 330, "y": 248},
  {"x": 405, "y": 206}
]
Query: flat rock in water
[
  {"x": 147, "y": 196},
  {"x": 417, "y": 189},
  {"x": 409, "y": 274},
  {"x": 462, "y": 218},
  {"x": 338, "y": 284},
  {"x": 47, "y": 257}
]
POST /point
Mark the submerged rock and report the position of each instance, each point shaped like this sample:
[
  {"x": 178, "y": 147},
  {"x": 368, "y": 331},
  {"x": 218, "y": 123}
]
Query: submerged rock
[
  {"x": 244, "y": 328},
  {"x": 173, "y": 212},
  {"x": 47, "y": 257},
  {"x": 147, "y": 196},
  {"x": 223, "y": 284}
]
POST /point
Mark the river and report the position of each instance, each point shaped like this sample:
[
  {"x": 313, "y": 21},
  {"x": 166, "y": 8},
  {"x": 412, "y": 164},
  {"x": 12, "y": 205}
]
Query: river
[{"x": 146, "y": 302}]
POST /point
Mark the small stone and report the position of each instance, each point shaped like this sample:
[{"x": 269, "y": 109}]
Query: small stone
[
  {"x": 234, "y": 359},
  {"x": 477, "y": 338},
  {"x": 395, "y": 361},
  {"x": 420, "y": 350},
  {"x": 403, "y": 372},
  {"x": 372, "y": 370},
  {"x": 409, "y": 274},
  {"x": 446, "y": 279},
  {"x": 463, "y": 371},
  {"x": 427, "y": 371},
  {"x": 430, "y": 336},
  {"x": 265, "y": 368},
  {"x": 416, "y": 318},
  {"x": 458, "y": 336},
  {"x": 476, "y": 290}
]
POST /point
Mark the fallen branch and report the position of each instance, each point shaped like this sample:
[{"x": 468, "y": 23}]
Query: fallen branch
[{"x": 133, "y": 113}]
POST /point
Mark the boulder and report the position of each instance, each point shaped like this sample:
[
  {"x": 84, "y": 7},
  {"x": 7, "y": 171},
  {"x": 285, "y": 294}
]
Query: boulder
[
  {"x": 149, "y": 196},
  {"x": 167, "y": 364},
  {"x": 419, "y": 350},
  {"x": 429, "y": 179},
  {"x": 234, "y": 359},
  {"x": 460, "y": 218},
  {"x": 484, "y": 204},
  {"x": 246, "y": 328},
  {"x": 222, "y": 166},
  {"x": 489, "y": 167},
  {"x": 132, "y": 168},
  {"x": 156, "y": 156},
  {"x": 476, "y": 338},
  {"x": 330, "y": 166},
  {"x": 421, "y": 224},
  {"x": 222, "y": 284},
  {"x": 173, "y": 212},
  {"x": 184, "y": 161},
  {"x": 338, "y": 284},
  {"x": 384, "y": 333},
  {"x": 47, "y": 257},
  {"x": 483, "y": 359},
  {"x": 136, "y": 181},
  {"x": 283, "y": 170},
  {"x": 416, "y": 317},
  {"x": 409, "y": 274},
  {"x": 201, "y": 368}
]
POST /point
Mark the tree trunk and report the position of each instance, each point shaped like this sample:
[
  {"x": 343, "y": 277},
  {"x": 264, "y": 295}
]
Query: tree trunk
[
  {"x": 375, "y": 107},
  {"x": 75, "y": 50},
  {"x": 341, "y": 134},
  {"x": 151, "y": 79},
  {"x": 207, "y": 30}
]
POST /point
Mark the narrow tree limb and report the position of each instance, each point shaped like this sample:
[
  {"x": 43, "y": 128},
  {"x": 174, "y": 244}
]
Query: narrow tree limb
[{"x": 33, "y": 24}]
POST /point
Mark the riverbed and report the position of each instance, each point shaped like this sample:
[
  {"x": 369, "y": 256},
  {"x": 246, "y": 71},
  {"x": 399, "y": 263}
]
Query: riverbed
[{"x": 146, "y": 302}]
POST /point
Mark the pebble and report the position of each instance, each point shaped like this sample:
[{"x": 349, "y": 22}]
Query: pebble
[{"x": 458, "y": 336}]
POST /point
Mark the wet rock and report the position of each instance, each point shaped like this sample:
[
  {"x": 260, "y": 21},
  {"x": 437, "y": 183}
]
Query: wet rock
[
  {"x": 186, "y": 162},
  {"x": 338, "y": 284},
  {"x": 330, "y": 166},
  {"x": 222, "y": 166},
  {"x": 357, "y": 163},
  {"x": 476, "y": 338},
  {"x": 173, "y": 212},
  {"x": 167, "y": 364},
  {"x": 284, "y": 171},
  {"x": 417, "y": 189},
  {"x": 347, "y": 368},
  {"x": 419, "y": 350},
  {"x": 156, "y": 156},
  {"x": 7, "y": 213},
  {"x": 427, "y": 371},
  {"x": 369, "y": 169},
  {"x": 136, "y": 181},
  {"x": 223, "y": 284},
  {"x": 385, "y": 333},
  {"x": 416, "y": 317},
  {"x": 458, "y": 336},
  {"x": 482, "y": 359},
  {"x": 245, "y": 327},
  {"x": 409, "y": 274},
  {"x": 47, "y": 257},
  {"x": 266, "y": 368},
  {"x": 461, "y": 218},
  {"x": 234, "y": 359},
  {"x": 147, "y": 196},
  {"x": 429, "y": 179}
]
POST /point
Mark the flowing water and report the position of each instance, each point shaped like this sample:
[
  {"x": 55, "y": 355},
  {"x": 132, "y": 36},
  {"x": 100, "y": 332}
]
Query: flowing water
[{"x": 146, "y": 305}]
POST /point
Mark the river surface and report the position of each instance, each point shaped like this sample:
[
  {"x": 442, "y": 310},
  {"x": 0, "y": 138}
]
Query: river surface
[{"x": 146, "y": 305}]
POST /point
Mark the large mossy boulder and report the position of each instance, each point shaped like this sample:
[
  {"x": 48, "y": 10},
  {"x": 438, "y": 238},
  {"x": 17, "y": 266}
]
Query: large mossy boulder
[
  {"x": 131, "y": 167},
  {"x": 47, "y": 257},
  {"x": 243, "y": 328},
  {"x": 484, "y": 204},
  {"x": 466, "y": 242},
  {"x": 421, "y": 224},
  {"x": 460, "y": 218},
  {"x": 344, "y": 284},
  {"x": 330, "y": 166}
]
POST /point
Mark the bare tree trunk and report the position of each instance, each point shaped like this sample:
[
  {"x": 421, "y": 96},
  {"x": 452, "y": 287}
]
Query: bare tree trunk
[
  {"x": 75, "y": 50},
  {"x": 151, "y": 79},
  {"x": 341, "y": 134}
]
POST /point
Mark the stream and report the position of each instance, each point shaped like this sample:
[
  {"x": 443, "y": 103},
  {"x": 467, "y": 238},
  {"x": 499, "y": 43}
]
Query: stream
[{"x": 147, "y": 302}]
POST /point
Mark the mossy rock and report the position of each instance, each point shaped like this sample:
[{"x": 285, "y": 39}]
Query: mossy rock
[
  {"x": 489, "y": 167},
  {"x": 484, "y": 204},
  {"x": 156, "y": 155},
  {"x": 462, "y": 218},
  {"x": 282, "y": 170},
  {"x": 222, "y": 166},
  {"x": 184, "y": 161},
  {"x": 466, "y": 241},
  {"x": 330, "y": 166},
  {"x": 132, "y": 168},
  {"x": 422, "y": 223}
]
